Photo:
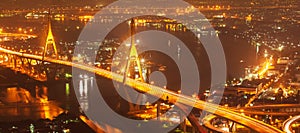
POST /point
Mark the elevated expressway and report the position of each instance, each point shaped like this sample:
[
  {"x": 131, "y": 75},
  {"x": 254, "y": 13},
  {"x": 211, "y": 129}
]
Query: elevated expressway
[
  {"x": 275, "y": 106},
  {"x": 288, "y": 124},
  {"x": 162, "y": 93},
  {"x": 254, "y": 110}
]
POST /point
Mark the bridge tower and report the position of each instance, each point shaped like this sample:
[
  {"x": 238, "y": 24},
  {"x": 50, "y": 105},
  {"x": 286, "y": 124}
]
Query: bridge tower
[
  {"x": 50, "y": 41},
  {"x": 133, "y": 63},
  {"x": 133, "y": 58}
]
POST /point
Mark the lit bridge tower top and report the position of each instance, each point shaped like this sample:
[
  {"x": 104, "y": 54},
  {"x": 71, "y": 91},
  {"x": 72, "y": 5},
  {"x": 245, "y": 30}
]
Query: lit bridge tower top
[
  {"x": 133, "y": 56},
  {"x": 50, "y": 40}
]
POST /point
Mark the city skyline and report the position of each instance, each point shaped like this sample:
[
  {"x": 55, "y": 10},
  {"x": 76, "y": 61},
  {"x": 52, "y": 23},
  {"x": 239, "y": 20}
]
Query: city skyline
[{"x": 142, "y": 66}]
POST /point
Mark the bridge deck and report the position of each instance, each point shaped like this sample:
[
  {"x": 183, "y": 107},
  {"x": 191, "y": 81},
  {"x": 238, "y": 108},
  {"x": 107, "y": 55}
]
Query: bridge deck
[{"x": 173, "y": 97}]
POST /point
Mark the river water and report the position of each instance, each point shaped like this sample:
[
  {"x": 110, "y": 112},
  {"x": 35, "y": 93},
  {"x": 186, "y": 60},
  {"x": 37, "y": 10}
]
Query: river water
[{"x": 38, "y": 100}]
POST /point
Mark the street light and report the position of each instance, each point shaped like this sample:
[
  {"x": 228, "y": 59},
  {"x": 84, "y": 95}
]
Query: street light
[{"x": 280, "y": 48}]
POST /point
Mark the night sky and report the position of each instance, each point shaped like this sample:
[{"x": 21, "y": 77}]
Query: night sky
[{"x": 23, "y": 4}]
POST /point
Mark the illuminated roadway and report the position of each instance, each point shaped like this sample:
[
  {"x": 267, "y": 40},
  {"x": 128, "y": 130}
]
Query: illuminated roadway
[
  {"x": 249, "y": 111},
  {"x": 254, "y": 110},
  {"x": 17, "y": 35},
  {"x": 207, "y": 123},
  {"x": 173, "y": 97},
  {"x": 269, "y": 106},
  {"x": 288, "y": 123}
]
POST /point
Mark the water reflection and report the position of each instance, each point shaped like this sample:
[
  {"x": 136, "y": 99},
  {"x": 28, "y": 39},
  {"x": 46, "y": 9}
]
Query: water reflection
[
  {"x": 85, "y": 83},
  {"x": 19, "y": 103}
]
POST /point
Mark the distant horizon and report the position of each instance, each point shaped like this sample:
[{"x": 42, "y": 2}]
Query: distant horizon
[{"x": 25, "y": 4}]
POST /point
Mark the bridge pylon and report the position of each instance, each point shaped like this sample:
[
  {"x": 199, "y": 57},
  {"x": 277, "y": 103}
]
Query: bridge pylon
[
  {"x": 133, "y": 62},
  {"x": 133, "y": 58},
  {"x": 50, "y": 41}
]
